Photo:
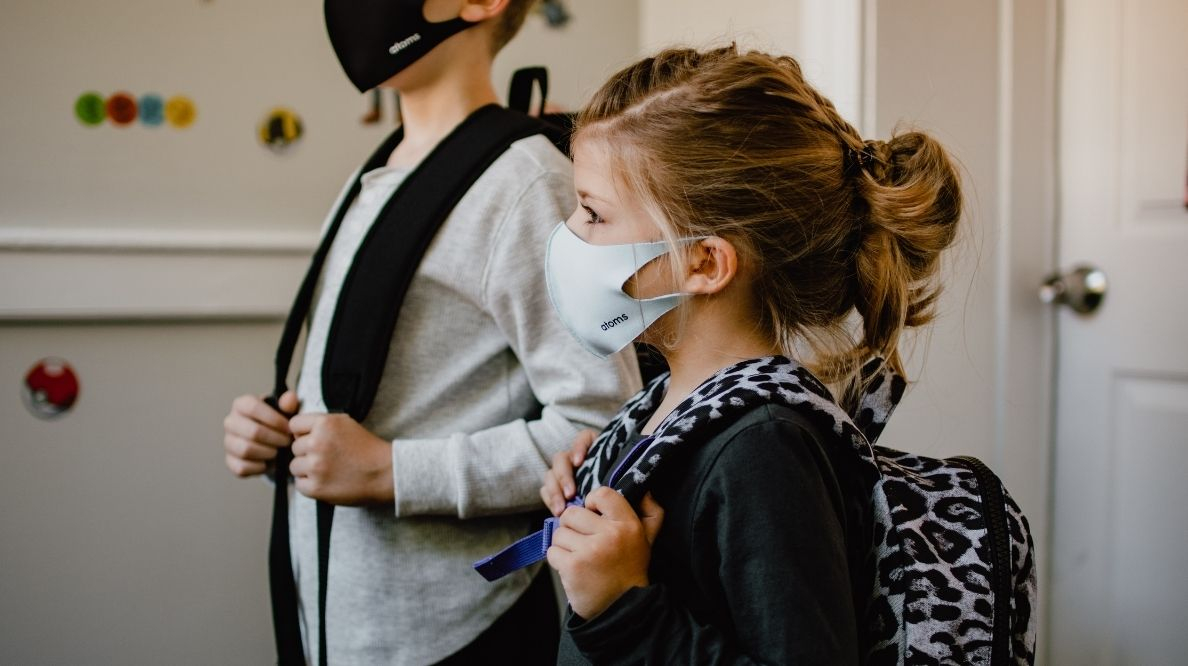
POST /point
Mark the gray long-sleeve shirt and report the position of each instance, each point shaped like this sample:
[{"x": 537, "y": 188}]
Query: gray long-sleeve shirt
[{"x": 476, "y": 347}]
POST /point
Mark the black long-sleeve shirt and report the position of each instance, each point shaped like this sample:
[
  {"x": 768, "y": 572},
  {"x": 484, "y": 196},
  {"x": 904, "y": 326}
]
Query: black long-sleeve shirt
[{"x": 759, "y": 559}]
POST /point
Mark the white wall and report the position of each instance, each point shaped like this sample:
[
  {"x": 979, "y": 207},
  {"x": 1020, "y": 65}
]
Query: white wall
[{"x": 771, "y": 25}]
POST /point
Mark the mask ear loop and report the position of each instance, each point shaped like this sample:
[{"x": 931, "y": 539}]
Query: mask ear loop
[{"x": 643, "y": 302}]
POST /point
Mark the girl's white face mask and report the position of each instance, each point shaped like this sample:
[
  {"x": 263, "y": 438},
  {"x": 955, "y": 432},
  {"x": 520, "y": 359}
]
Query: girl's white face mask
[{"x": 586, "y": 287}]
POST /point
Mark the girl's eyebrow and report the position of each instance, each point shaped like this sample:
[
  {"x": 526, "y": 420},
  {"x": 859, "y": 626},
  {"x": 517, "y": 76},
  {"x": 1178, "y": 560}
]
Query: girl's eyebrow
[{"x": 582, "y": 194}]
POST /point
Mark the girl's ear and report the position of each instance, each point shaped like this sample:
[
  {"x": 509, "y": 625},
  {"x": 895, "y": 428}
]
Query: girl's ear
[{"x": 712, "y": 265}]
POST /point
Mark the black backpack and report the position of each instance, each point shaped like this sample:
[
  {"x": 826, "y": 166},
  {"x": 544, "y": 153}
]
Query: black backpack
[
  {"x": 368, "y": 305},
  {"x": 370, "y": 299}
]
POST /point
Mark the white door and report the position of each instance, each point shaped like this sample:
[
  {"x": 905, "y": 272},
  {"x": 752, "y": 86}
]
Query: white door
[{"x": 1119, "y": 588}]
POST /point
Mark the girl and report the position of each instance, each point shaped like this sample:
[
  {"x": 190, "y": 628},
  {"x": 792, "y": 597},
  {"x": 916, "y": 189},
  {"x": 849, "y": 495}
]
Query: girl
[{"x": 785, "y": 236}]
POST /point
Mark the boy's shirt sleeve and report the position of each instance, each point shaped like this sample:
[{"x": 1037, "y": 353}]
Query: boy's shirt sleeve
[{"x": 500, "y": 469}]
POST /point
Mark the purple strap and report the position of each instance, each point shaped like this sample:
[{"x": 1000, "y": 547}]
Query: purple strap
[{"x": 534, "y": 547}]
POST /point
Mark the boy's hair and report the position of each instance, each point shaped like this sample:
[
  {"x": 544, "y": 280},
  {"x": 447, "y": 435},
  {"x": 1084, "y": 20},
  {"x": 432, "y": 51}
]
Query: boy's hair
[
  {"x": 509, "y": 23},
  {"x": 738, "y": 145}
]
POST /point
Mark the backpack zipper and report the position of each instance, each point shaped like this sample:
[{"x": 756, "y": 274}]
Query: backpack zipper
[{"x": 994, "y": 510}]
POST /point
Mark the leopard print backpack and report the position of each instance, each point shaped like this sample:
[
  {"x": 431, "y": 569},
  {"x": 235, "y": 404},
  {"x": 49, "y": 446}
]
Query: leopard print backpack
[{"x": 951, "y": 552}]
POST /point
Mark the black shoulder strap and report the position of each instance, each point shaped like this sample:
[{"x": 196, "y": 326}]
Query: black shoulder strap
[
  {"x": 383, "y": 268},
  {"x": 368, "y": 305},
  {"x": 556, "y": 126}
]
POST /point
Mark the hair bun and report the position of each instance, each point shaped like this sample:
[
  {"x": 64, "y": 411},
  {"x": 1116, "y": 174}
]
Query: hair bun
[{"x": 913, "y": 199}]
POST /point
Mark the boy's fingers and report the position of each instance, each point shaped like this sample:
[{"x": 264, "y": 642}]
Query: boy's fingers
[
  {"x": 260, "y": 412},
  {"x": 239, "y": 425},
  {"x": 303, "y": 424},
  {"x": 245, "y": 449},
  {"x": 243, "y": 468},
  {"x": 288, "y": 402}
]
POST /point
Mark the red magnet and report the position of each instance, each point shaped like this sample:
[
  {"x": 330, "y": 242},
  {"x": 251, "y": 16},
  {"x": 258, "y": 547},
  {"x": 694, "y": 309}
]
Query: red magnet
[
  {"x": 121, "y": 108},
  {"x": 51, "y": 387}
]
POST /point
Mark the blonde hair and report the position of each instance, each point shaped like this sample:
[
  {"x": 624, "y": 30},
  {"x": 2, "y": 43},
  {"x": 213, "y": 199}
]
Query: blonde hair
[
  {"x": 737, "y": 145},
  {"x": 508, "y": 23}
]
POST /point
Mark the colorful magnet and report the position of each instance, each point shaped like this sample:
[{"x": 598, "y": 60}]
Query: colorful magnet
[
  {"x": 152, "y": 110},
  {"x": 180, "y": 111},
  {"x": 121, "y": 108},
  {"x": 89, "y": 109},
  {"x": 280, "y": 129},
  {"x": 51, "y": 387}
]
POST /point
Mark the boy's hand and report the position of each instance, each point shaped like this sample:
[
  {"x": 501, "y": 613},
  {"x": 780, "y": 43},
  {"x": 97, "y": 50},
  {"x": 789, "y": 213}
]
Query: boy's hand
[
  {"x": 336, "y": 460},
  {"x": 253, "y": 431},
  {"x": 559, "y": 486},
  {"x": 603, "y": 549}
]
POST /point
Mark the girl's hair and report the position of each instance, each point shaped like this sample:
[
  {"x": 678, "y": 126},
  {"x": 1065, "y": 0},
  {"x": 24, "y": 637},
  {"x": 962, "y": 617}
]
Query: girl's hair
[{"x": 738, "y": 145}]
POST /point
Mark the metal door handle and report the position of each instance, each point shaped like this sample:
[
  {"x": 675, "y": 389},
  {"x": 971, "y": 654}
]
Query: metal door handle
[{"x": 1082, "y": 289}]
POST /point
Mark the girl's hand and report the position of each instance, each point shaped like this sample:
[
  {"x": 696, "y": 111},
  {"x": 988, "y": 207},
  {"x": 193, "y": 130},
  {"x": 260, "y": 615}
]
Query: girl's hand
[
  {"x": 603, "y": 549},
  {"x": 559, "y": 486}
]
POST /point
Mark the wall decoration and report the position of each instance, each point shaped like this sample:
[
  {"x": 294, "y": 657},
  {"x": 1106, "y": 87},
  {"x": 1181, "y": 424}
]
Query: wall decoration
[
  {"x": 280, "y": 129},
  {"x": 180, "y": 111},
  {"x": 90, "y": 109},
  {"x": 152, "y": 110},
  {"x": 50, "y": 389},
  {"x": 554, "y": 12},
  {"x": 121, "y": 108}
]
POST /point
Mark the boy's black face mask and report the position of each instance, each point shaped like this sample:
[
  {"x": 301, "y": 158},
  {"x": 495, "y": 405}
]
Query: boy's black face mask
[{"x": 376, "y": 39}]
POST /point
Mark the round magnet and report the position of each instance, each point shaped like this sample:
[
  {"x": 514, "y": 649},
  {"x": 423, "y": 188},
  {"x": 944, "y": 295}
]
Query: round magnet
[
  {"x": 121, "y": 108},
  {"x": 89, "y": 109},
  {"x": 180, "y": 111},
  {"x": 280, "y": 129},
  {"x": 51, "y": 387},
  {"x": 152, "y": 110}
]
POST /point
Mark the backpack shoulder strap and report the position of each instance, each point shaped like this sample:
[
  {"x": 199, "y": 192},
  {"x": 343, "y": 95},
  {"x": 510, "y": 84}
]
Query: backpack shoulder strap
[
  {"x": 365, "y": 317},
  {"x": 558, "y": 127},
  {"x": 389, "y": 255}
]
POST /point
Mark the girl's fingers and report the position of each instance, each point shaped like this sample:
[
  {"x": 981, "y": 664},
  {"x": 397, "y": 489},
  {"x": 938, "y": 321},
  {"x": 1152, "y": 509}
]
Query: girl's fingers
[
  {"x": 550, "y": 494},
  {"x": 610, "y": 504},
  {"x": 580, "y": 520},
  {"x": 562, "y": 471},
  {"x": 581, "y": 446},
  {"x": 567, "y": 539},
  {"x": 559, "y": 558}
]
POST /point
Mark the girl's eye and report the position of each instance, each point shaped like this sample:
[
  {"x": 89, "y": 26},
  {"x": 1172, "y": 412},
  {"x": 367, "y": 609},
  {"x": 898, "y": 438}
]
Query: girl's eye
[{"x": 595, "y": 218}]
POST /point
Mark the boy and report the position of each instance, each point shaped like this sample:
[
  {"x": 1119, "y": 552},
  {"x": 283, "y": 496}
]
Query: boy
[{"x": 446, "y": 462}]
